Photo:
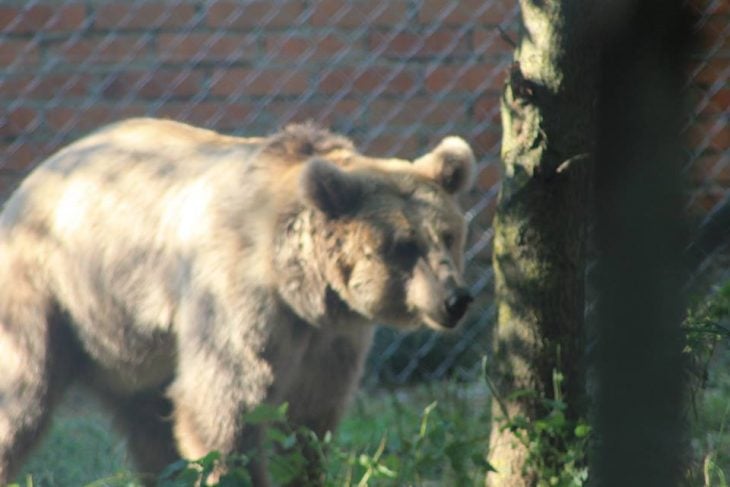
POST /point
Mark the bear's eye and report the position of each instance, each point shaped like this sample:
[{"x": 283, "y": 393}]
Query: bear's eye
[
  {"x": 406, "y": 252},
  {"x": 448, "y": 239}
]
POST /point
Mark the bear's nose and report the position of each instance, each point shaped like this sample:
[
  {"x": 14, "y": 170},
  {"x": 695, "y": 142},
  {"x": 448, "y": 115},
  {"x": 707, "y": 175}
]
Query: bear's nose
[{"x": 457, "y": 303}]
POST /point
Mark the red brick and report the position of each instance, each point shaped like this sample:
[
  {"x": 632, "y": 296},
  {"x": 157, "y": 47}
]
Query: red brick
[
  {"x": 48, "y": 18},
  {"x": 73, "y": 121},
  {"x": 136, "y": 109},
  {"x": 144, "y": 15},
  {"x": 371, "y": 79},
  {"x": 316, "y": 48},
  {"x": 489, "y": 42},
  {"x": 250, "y": 14},
  {"x": 394, "y": 145},
  {"x": 18, "y": 53},
  {"x": 206, "y": 47},
  {"x": 464, "y": 11},
  {"x": 720, "y": 101},
  {"x": 153, "y": 84},
  {"x": 712, "y": 134},
  {"x": 48, "y": 86},
  {"x": 713, "y": 168},
  {"x": 472, "y": 78},
  {"x": 258, "y": 82},
  {"x": 707, "y": 105},
  {"x": 698, "y": 5},
  {"x": 225, "y": 117},
  {"x": 408, "y": 44},
  {"x": 710, "y": 71},
  {"x": 104, "y": 50},
  {"x": 8, "y": 181},
  {"x": 705, "y": 200},
  {"x": 196, "y": 114},
  {"x": 328, "y": 113},
  {"x": 231, "y": 116},
  {"x": 723, "y": 177},
  {"x": 485, "y": 140},
  {"x": 20, "y": 157},
  {"x": 487, "y": 108},
  {"x": 356, "y": 14},
  {"x": 719, "y": 7},
  {"x": 418, "y": 110},
  {"x": 488, "y": 177},
  {"x": 483, "y": 220},
  {"x": 19, "y": 121},
  {"x": 715, "y": 34},
  {"x": 721, "y": 139},
  {"x": 76, "y": 119}
]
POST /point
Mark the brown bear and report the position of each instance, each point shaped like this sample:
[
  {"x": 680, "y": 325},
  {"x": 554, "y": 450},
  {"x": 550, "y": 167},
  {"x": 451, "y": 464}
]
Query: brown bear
[{"x": 189, "y": 276}]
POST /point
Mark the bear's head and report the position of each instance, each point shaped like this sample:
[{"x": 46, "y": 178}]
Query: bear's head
[{"x": 389, "y": 234}]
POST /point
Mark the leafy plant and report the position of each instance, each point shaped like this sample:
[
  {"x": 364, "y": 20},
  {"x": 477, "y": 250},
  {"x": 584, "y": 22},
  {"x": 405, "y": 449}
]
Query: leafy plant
[
  {"x": 435, "y": 445},
  {"x": 705, "y": 328},
  {"x": 707, "y": 350},
  {"x": 556, "y": 445}
]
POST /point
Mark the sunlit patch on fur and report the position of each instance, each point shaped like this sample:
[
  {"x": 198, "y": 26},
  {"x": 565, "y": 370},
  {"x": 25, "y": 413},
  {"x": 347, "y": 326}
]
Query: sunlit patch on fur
[
  {"x": 72, "y": 207},
  {"x": 188, "y": 212}
]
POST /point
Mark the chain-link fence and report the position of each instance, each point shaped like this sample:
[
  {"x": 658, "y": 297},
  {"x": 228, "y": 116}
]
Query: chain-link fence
[{"x": 394, "y": 75}]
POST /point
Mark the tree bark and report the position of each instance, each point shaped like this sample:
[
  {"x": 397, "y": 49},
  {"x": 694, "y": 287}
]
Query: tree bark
[{"x": 541, "y": 223}]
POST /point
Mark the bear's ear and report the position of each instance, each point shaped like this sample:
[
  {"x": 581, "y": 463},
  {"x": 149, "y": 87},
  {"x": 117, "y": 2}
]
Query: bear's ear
[
  {"x": 451, "y": 164},
  {"x": 330, "y": 189}
]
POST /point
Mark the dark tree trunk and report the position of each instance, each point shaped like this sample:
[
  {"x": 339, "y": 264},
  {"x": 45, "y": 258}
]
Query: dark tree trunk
[
  {"x": 641, "y": 243},
  {"x": 540, "y": 224}
]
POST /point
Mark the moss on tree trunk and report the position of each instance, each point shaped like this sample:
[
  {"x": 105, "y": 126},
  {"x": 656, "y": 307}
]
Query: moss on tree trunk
[{"x": 540, "y": 223}]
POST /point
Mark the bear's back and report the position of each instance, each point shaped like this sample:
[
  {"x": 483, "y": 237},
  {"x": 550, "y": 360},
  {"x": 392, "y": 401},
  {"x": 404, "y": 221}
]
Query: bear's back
[{"x": 118, "y": 175}]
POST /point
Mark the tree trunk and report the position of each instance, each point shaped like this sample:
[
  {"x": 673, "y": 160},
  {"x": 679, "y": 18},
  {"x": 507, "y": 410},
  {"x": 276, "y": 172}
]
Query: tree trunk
[
  {"x": 641, "y": 240},
  {"x": 540, "y": 224}
]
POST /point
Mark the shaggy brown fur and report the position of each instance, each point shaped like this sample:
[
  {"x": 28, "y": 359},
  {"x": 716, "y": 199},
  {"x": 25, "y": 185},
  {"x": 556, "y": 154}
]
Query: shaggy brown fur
[{"x": 189, "y": 276}]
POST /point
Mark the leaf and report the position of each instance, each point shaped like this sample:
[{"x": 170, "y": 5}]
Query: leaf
[
  {"x": 236, "y": 478},
  {"x": 364, "y": 460},
  {"x": 266, "y": 413},
  {"x": 582, "y": 430},
  {"x": 555, "y": 404},
  {"x": 276, "y": 435},
  {"x": 424, "y": 420},
  {"x": 384, "y": 471},
  {"x": 392, "y": 461},
  {"x": 186, "y": 477},
  {"x": 557, "y": 420},
  {"x": 286, "y": 468},
  {"x": 209, "y": 458},
  {"x": 173, "y": 469},
  {"x": 479, "y": 460},
  {"x": 520, "y": 393}
]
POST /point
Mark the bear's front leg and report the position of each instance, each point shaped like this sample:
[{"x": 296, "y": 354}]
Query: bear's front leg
[
  {"x": 208, "y": 415},
  {"x": 194, "y": 444},
  {"x": 220, "y": 376}
]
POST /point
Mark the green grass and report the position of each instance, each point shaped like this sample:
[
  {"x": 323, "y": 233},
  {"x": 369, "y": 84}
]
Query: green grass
[{"x": 80, "y": 448}]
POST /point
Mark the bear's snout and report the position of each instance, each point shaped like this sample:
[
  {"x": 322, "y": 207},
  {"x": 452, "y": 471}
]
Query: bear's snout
[{"x": 457, "y": 303}]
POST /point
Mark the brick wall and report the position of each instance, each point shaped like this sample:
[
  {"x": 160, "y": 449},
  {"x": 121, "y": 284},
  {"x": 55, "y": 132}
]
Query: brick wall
[
  {"x": 393, "y": 74},
  {"x": 708, "y": 127}
]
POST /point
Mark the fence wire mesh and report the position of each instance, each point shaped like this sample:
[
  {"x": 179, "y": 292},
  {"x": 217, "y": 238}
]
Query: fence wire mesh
[{"x": 396, "y": 76}]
